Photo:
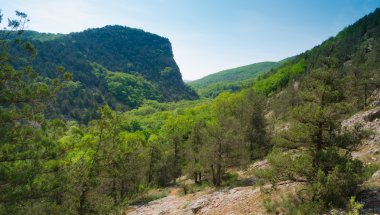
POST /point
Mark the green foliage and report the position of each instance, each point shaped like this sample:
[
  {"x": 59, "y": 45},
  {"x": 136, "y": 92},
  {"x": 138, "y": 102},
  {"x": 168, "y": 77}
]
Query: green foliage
[
  {"x": 319, "y": 154},
  {"x": 65, "y": 167},
  {"x": 352, "y": 53},
  {"x": 90, "y": 55},
  {"x": 229, "y": 179},
  {"x": 213, "y": 90},
  {"x": 30, "y": 163},
  {"x": 235, "y": 134},
  {"x": 280, "y": 77},
  {"x": 290, "y": 204},
  {"x": 42, "y": 37},
  {"x": 354, "y": 207},
  {"x": 234, "y": 75},
  {"x": 231, "y": 80},
  {"x": 146, "y": 198},
  {"x": 334, "y": 187},
  {"x": 286, "y": 166},
  {"x": 335, "y": 81},
  {"x": 322, "y": 190},
  {"x": 131, "y": 89}
]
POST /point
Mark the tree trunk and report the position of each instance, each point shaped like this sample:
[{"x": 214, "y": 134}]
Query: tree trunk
[
  {"x": 318, "y": 145},
  {"x": 217, "y": 168},
  {"x": 197, "y": 177},
  {"x": 365, "y": 95},
  {"x": 113, "y": 191},
  {"x": 82, "y": 200},
  {"x": 218, "y": 175},
  {"x": 122, "y": 190},
  {"x": 150, "y": 172},
  {"x": 213, "y": 174},
  {"x": 251, "y": 149},
  {"x": 219, "y": 165},
  {"x": 176, "y": 157}
]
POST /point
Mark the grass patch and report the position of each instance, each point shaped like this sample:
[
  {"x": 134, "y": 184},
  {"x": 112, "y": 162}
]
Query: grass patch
[
  {"x": 194, "y": 188},
  {"x": 230, "y": 179},
  {"x": 150, "y": 196}
]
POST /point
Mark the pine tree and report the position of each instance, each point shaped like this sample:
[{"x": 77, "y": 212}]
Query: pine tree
[
  {"x": 314, "y": 150},
  {"x": 29, "y": 154}
]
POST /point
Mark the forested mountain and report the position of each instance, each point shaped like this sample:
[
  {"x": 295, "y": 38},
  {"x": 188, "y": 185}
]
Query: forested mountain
[
  {"x": 352, "y": 55},
  {"x": 113, "y": 65},
  {"x": 236, "y": 74},
  {"x": 231, "y": 80}
]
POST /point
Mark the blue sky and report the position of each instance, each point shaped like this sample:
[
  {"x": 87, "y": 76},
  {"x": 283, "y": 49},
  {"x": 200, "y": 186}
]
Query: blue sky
[{"x": 207, "y": 35}]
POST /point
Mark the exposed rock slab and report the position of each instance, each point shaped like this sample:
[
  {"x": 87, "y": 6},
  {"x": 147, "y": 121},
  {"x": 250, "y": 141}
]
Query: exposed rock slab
[{"x": 369, "y": 151}]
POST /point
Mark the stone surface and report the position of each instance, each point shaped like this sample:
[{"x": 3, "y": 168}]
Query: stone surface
[
  {"x": 371, "y": 201},
  {"x": 369, "y": 120},
  {"x": 375, "y": 98}
]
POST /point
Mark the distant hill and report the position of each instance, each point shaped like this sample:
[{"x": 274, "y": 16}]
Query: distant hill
[
  {"x": 117, "y": 65},
  {"x": 231, "y": 79},
  {"x": 236, "y": 74}
]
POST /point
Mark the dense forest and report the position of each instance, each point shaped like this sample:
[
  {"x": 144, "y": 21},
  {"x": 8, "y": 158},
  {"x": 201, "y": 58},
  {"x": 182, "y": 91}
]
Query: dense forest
[
  {"x": 113, "y": 65},
  {"x": 99, "y": 162}
]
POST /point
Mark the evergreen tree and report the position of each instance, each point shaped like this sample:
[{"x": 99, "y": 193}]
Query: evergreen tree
[
  {"x": 318, "y": 151},
  {"x": 29, "y": 153}
]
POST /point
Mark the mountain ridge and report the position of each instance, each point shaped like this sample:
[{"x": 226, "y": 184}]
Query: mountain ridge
[
  {"x": 114, "y": 48},
  {"x": 242, "y": 72},
  {"x": 353, "y": 48},
  {"x": 232, "y": 80}
]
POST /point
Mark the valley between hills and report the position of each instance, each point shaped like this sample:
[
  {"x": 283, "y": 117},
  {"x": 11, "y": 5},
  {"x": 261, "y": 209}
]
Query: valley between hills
[{"x": 101, "y": 122}]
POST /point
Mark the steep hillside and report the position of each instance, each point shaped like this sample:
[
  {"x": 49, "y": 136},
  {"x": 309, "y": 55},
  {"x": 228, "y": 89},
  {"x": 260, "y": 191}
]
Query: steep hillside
[
  {"x": 117, "y": 65},
  {"x": 231, "y": 79},
  {"x": 353, "y": 54}
]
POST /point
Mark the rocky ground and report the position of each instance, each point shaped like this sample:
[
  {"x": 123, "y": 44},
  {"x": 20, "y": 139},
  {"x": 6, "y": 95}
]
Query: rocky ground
[
  {"x": 369, "y": 153},
  {"x": 239, "y": 200},
  {"x": 369, "y": 150}
]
